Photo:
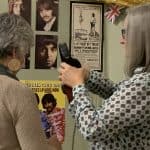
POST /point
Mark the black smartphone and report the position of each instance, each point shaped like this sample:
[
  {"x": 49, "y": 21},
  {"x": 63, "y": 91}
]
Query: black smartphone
[
  {"x": 66, "y": 56},
  {"x": 64, "y": 52}
]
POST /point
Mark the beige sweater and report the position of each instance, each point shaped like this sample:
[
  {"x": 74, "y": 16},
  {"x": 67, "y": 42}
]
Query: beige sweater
[{"x": 20, "y": 127}]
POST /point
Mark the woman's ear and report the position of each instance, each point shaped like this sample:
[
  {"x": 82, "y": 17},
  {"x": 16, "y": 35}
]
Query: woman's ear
[{"x": 14, "y": 65}]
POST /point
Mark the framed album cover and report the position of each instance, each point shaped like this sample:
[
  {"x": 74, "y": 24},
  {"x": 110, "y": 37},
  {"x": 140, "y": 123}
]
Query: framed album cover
[
  {"x": 86, "y": 33},
  {"x": 51, "y": 104}
]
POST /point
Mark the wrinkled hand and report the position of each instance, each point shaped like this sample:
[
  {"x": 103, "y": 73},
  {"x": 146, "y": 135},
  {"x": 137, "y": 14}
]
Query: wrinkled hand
[{"x": 72, "y": 76}]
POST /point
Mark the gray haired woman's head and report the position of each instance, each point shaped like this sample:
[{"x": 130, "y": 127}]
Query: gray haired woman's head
[{"x": 15, "y": 33}]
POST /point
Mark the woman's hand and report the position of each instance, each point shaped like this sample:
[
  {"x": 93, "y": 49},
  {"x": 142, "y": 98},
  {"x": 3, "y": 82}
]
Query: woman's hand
[{"x": 72, "y": 76}]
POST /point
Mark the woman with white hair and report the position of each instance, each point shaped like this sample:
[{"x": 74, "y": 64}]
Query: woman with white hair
[
  {"x": 123, "y": 120},
  {"x": 20, "y": 127}
]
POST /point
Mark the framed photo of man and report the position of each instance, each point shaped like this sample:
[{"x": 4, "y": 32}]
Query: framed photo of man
[
  {"x": 20, "y": 7},
  {"x": 86, "y": 33},
  {"x": 46, "y": 52},
  {"x": 47, "y": 15}
]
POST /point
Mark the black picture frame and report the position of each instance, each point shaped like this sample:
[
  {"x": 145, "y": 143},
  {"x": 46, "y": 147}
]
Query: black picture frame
[{"x": 86, "y": 33}]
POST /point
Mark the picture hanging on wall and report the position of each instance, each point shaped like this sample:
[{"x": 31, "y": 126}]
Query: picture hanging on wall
[
  {"x": 47, "y": 15},
  {"x": 86, "y": 33},
  {"x": 51, "y": 103},
  {"x": 20, "y": 7},
  {"x": 46, "y": 52}
]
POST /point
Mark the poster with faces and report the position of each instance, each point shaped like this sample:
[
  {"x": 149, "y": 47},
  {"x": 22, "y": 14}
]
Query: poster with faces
[
  {"x": 46, "y": 21},
  {"x": 51, "y": 103}
]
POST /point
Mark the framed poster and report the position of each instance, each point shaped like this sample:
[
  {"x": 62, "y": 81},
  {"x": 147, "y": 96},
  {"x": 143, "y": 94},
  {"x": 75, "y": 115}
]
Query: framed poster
[{"x": 86, "y": 33}]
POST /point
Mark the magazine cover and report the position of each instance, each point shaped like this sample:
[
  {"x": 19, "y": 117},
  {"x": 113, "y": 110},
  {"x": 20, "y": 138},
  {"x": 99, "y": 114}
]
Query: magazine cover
[{"x": 51, "y": 104}]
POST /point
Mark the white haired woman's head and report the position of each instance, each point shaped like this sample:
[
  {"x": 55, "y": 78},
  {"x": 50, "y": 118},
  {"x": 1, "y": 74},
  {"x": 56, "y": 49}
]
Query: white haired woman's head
[{"x": 15, "y": 32}]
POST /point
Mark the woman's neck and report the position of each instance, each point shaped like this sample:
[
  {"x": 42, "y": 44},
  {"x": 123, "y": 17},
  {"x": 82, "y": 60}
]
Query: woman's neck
[{"x": 4, "y": 70}]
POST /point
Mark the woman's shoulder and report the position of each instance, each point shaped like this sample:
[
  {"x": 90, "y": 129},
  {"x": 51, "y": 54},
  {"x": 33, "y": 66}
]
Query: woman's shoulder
[
  {"x": 141, "y": 77},
  {"x": 8, "y": 83},
  {"x": 140, "y": 80},
  {"x": 16, "y": 95}
]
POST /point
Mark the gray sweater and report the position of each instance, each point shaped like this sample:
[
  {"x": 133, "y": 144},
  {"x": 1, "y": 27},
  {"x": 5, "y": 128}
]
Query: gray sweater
[{"x": 20, "y": 127}]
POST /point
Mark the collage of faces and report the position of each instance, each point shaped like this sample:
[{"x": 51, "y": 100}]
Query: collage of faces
[{"x": 46, "y": 22}]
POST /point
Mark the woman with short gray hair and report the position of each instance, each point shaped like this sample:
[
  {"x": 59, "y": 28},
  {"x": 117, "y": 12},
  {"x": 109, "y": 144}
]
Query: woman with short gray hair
[{"x": 20, "y": 127}]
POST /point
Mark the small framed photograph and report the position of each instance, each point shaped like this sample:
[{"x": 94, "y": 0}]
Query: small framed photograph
[
  {"x": 47, "y": 15},
  {"x": 46, "y": 52},
  {"x": 86, "y": 33},
  {"x": 20, "y": 7}
]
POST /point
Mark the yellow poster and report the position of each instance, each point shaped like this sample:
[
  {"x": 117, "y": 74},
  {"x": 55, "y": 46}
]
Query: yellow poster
[{"x": 51, "y": 104}]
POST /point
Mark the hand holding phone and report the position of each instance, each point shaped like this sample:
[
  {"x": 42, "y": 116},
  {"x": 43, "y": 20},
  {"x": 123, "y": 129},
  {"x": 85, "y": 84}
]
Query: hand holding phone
[{"x": 66, "y": 57}]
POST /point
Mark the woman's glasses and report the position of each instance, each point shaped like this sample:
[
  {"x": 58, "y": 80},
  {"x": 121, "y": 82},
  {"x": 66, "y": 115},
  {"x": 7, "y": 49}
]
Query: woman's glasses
[{"x": 123, "y": 33}]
